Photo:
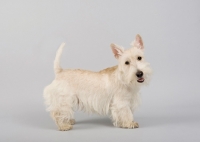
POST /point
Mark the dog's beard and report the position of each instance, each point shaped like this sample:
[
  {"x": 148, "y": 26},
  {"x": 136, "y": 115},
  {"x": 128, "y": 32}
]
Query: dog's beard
[
  {"x": 127, "y": 76},
  {"x": 147, "y": 73}
]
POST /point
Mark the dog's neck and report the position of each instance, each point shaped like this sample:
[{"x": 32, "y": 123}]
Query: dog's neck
[{"x": 114, "y": 73}]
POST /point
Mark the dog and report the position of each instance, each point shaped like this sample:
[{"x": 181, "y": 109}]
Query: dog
[{"x": 113, "y": 91}]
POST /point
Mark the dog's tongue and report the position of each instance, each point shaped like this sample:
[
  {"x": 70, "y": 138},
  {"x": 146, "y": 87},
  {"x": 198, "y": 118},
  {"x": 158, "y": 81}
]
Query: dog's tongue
[{"x": 141, "y": 79}]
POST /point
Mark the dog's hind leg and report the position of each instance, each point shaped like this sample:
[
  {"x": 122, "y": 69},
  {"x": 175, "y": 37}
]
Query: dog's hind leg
[
  {"x": 63, "y": 114},
  {"x": 62, "y": 119}
]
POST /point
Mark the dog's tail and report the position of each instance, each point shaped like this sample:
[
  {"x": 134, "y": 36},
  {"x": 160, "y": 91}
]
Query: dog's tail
[{"x": 57, "y": 67}]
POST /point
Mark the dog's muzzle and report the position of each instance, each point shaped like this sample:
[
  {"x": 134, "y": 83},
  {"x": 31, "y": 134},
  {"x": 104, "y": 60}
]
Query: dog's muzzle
[{"x": 139, "y": 74}]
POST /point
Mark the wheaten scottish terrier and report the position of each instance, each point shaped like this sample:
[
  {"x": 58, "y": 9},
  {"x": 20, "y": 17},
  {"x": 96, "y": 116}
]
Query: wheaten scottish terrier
[{"x": 113, "y": 91}]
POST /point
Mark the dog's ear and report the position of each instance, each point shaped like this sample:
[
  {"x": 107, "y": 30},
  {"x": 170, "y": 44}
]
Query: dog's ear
[
  {"x": 117, "y": 50},
  {"x": 138, "y": 42}
]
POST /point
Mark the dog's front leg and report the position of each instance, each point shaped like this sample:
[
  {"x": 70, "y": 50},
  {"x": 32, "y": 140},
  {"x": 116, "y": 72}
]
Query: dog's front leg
[{"x": 123, "y": 117}]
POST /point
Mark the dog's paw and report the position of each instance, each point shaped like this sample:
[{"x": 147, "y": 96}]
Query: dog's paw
[
  {"x": 72, "y": 121},
  {"x": 65, "y": 127},
  {"x": 130, "y": 125},
  {"x": 136, "y": 125}
]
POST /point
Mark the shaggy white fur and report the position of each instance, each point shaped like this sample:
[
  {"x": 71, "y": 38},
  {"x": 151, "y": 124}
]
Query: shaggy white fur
[{"x": 112, "y": 91}]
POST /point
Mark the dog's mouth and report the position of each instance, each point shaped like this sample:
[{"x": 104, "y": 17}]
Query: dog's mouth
[{"x": 140, "y": 80}]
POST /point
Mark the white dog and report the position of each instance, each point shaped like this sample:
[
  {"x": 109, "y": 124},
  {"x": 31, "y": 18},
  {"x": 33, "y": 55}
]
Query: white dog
[{"x": 112, "y": 91}]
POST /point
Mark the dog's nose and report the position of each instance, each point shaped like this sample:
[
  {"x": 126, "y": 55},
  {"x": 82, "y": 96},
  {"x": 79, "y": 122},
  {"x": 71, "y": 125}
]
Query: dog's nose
[{"x": 139, "y": 74}]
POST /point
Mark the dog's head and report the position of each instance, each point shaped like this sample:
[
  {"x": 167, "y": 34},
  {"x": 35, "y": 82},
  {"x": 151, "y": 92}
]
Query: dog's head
[{"x": 132, "y": 67}]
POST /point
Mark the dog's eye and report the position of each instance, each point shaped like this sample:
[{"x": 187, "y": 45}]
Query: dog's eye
[
  {"x": 139, "y": 58},
  {"x": 127, "y": 63}
]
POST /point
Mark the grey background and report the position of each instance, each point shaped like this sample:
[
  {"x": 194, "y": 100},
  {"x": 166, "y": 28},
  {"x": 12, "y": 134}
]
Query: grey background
[{"x": 31, "y": 31}]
